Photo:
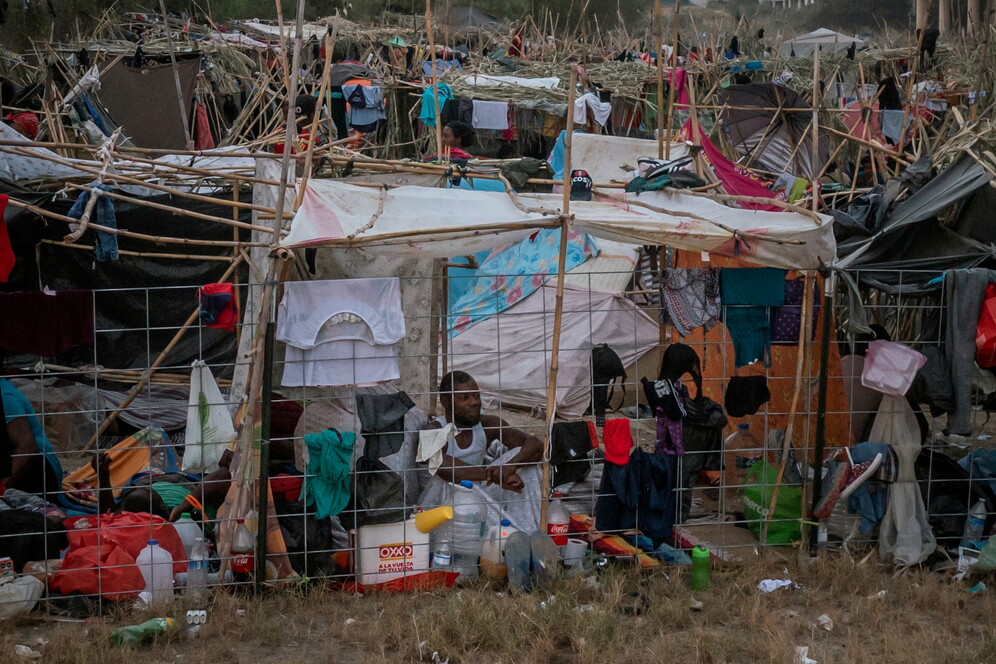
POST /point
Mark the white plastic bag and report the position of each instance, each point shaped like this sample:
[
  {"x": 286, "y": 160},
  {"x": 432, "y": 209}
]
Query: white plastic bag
[
  {"x": 18, "y": 594},
  {"x": 209, "y": 423}
]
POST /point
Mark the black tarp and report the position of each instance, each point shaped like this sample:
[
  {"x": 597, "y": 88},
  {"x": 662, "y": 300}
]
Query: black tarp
[{"x": 133, "y": 324}]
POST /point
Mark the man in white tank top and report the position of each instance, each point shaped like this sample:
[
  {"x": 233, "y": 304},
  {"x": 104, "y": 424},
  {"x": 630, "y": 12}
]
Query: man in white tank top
[{"x": 464, "y": 459}]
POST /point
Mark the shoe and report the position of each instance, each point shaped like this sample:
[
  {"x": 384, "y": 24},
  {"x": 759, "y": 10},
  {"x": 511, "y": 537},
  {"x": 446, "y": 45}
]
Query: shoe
[
  {"x": 859, "y": 473},
  {"x": 834, "y": 481}
]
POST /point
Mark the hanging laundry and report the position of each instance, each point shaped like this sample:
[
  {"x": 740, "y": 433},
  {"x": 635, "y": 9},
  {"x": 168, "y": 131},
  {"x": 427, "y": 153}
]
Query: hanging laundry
[
  {"x": 691, "y": 298},
  {"x": 7, "y": 258},
  {"x": 428, "y": 112},
  {"x": 786, "y": 319},
  {"x": 105, "y": 247},
  {"x": 48, "y": 322},
  {"x": 366, "y": 106},
  {"x": 341, "y": 332},
  {"x": 219, "y": 306},
  {"x": 490, "y": 115},
  {"x": 330, "y": 456},
  {"x": 205, "y": 141},
  {"x": 745, "y": 292},
  {"x": 600, "y": 110}
]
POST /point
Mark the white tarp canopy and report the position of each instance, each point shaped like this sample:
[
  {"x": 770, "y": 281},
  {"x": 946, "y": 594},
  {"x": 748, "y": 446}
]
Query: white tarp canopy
[
  {"x": 515, "y": 372},
  {"x": 608, "y": 158},
  {"x": 829, "y": 41},
  {"x": 548, "y": 83},
  {"x": 451, "y": 222}
]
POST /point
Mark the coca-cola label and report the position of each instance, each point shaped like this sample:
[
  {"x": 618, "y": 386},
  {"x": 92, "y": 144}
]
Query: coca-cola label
[
  {"x": 243, "y": 563},
  {"x": 557, "y": 532}
]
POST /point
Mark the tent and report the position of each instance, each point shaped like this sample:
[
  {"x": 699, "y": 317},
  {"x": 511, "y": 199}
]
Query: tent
[{"x": 829, "y": 41}]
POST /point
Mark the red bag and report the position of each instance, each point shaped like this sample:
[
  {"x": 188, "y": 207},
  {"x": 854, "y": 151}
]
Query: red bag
[
  {"x": 985, "y": 334},
  {"x": 128, "y": 530},
  {"x": 99, "y": 570}
]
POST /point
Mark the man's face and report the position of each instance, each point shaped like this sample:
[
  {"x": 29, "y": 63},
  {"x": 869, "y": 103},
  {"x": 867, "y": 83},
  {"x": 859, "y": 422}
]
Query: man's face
[{"x": 464, "y": 404}]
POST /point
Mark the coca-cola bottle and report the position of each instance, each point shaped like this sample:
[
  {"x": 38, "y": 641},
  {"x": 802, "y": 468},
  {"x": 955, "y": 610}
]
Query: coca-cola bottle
[
  {"x": 243, "y": 556},
  {"x": 558, "y": 521}
]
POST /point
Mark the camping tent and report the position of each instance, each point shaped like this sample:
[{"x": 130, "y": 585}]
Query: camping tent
[{"x": 829, "y": 41}]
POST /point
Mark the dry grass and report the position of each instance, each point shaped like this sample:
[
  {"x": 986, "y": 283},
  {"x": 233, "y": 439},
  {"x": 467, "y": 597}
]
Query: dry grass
[{"x": 923, "y": 617}]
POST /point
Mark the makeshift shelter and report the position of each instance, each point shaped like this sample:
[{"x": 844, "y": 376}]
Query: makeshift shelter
[{"x": 830, "y": 42}]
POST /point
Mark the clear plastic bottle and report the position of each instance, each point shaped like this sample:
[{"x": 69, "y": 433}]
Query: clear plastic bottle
[
  {"x": 442, "y": 557},
  {"x": 740, "y": 451},
  {"x": 156, "y": 565},
  {"x": 197, "y": 570},
  {"x": 189, "y": 532},
  {"x": 467, "y": 530},
  {"x": 975, "y": 524}
]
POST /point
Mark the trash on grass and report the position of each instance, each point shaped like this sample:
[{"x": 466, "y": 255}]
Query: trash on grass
[
  {"x": 802, "y": 655},
  {"x": 826, "y": 622},
  {"x": 979, "y": 587},
  {"x": 25, "y": 651},
  {"x": 771, "y": 585}
]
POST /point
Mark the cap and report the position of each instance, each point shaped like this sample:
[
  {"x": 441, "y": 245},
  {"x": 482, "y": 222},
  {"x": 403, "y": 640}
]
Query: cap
[
  {"x": 467, "y": 484},
  {"x": 186, "y": 515},
  {"x": 153, "y": 542},
  {"x": 743, "y": 426},
  {"x": 505, "y": 523}
]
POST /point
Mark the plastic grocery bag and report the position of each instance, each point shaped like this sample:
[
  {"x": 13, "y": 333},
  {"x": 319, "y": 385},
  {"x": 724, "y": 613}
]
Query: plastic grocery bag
[
  {"x": 209, "y": 422},
  {"x": 985, "y": 334},
  {"x": 785, "y": 524}
]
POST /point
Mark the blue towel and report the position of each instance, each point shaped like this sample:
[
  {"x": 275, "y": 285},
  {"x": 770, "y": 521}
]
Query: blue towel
[
  {"x": 428, "y": 113},
  {"x": 330, "y": 456}
]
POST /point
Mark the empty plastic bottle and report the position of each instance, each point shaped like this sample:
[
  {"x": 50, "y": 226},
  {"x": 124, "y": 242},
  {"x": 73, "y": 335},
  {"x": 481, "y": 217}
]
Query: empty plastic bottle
[
  {"x": 975, "y": 524},
  {"x": 467, "y": 529},
  {"x": 189, "y": 531},
  {"x": 156, "y": 565},
  {"x": 134, "y": 634},
  {"x": 197, "y": 570},
  {"x": 700, "y": 568}
]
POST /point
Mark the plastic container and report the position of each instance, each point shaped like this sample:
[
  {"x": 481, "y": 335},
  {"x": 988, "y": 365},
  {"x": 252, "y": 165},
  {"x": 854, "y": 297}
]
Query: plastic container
[
  {"x": 741, "y": 450},
  {"x": 389, "y": 551},
  {"x": 493, "y": 550},
  {"x": 467, "y": 530},
  {"x": 135, "y": 634},
  {"x": 975, "y": 524},
  {"x": 243, "y": 554},
  {"x": 700, "y": 568},
  {"x": 156, "y": 565},
  {"x": 197, "y": 570},
  {"x": 189, "y": 531},
  {"x": 890, "y": 367},
  {"x": 558, "y": 524},
  {"x": 442, "y": 557}
]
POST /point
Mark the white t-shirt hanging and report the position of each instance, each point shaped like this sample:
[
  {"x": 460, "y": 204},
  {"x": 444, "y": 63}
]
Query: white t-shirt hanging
[{"x": 340, "y": 332}]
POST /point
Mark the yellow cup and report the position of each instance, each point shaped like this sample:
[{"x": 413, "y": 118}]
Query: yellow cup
[{"x": 431, "y": 519}]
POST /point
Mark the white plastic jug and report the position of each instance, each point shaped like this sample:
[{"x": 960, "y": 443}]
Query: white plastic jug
[
  {"x": 189, "y": 531},
  {"x": 493, "y": 551},
  {"x": 156, "y": 565},
  {"x": 890, "y": 367}
]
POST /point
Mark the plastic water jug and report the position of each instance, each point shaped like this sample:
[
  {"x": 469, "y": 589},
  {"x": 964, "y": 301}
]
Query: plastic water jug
[
  {"x": 890, "y": 367},
  {"x": 156, "y": 565},
  {"x": 189, "y": 531},
  {"x": 467, "y": 530},
  {"x": 493, "y": 551}
]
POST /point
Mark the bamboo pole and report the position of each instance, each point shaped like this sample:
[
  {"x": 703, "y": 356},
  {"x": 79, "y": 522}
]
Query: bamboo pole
[
  {"x": 660, "y": 79},
  {"x": 143, "y": 254},
  {"x": 558, "y": 311},
  {"x": 674, "y": 67},
  {"x": 147, "y": 374},
  {"x": 322, "y": 91},
  {"x": 435, "y": 81},
  {"x": 817, "y": 102},
  {"x": 176, "y": 77}
]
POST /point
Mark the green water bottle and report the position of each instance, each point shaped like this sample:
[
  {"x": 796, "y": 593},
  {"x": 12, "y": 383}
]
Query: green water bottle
[
  {"x": 135, "y": 634},
  {"x": 700, "y": 568}
]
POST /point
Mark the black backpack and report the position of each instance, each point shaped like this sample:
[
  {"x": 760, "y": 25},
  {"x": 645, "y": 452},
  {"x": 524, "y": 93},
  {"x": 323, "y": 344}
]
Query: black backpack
[{"x": 606, "y": 367}]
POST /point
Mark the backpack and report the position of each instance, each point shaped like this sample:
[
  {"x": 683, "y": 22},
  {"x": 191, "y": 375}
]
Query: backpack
[{"x": 606, "y": 367}]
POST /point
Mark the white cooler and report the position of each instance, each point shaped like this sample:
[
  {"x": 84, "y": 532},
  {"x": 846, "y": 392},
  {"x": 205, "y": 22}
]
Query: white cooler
[{"x": 389, "y": 551}]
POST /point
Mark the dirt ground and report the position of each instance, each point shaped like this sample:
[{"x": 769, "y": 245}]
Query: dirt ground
[{"x": 878, "y": 618}]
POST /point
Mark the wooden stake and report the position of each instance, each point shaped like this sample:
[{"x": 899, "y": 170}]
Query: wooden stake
[
  {"x": 660, "y": 79},
  {"x": 176, "y": 77},
  {"x": 435, "y": 83},
  {"x": 817, "y": 102},
  {"x": 670, "y": 90}
]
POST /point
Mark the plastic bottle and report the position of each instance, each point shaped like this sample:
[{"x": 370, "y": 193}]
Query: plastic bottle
[
  {"x": 156, "y": 565},
  {"x": 493, "y": 551},
  {"x": 700, "y": 568},
  {"x": 558, "y": 522},
  {"x": 197, "y": 570},
  {"x": 135, "y": 634},
  {"x": 740, "y": 451},
  {"x": 467, "y": 530},
  {"x": 975, "y": 524},
  {"x": 243, "y": 554},
  {"x": 442, "y": 557},
  {"x": 189, "y": 532}
]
